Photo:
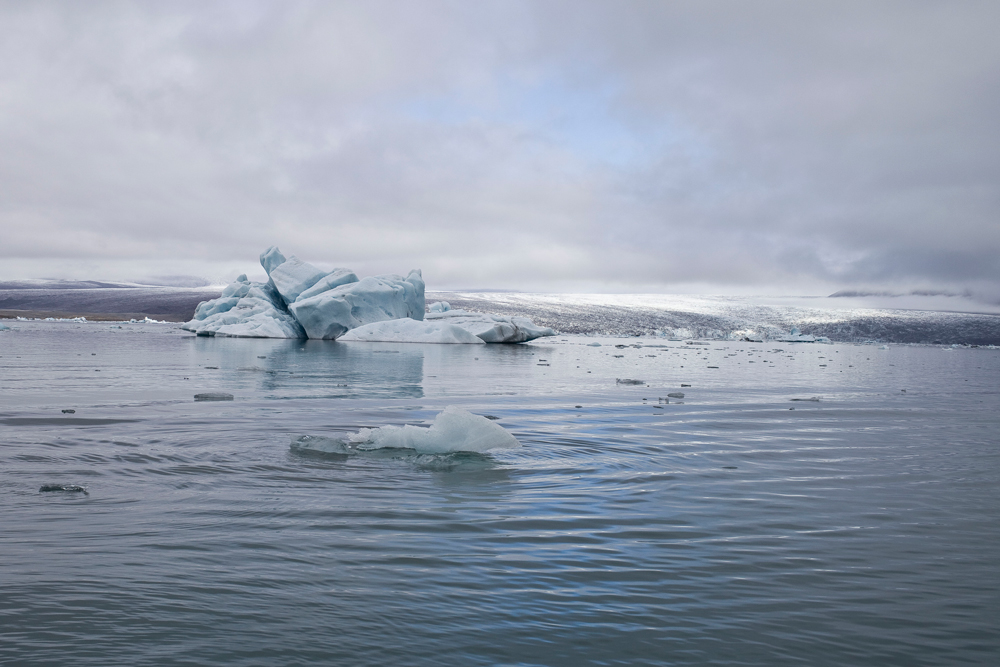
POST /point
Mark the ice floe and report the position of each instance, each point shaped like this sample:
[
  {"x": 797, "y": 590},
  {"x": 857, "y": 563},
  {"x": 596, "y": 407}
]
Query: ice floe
[
  {"x": 406, "y": 330},
  {"x": 453, "y": 430},
  {"x": 492, "y": 328}
]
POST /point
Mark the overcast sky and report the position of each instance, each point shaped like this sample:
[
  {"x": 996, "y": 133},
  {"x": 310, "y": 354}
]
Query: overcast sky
[{"x": 801, "y": 147}]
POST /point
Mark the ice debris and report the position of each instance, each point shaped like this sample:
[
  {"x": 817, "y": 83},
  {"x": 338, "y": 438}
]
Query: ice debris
[{"x": 453, "y": 430}]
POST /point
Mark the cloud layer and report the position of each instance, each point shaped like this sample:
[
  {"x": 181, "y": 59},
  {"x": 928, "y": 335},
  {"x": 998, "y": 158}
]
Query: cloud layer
[{"x": 538, "y": 145}]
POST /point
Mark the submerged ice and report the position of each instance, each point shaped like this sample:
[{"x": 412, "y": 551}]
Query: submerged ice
[
  {"x": 453, "y": 430},
  {"x": 300, "y": 300}
]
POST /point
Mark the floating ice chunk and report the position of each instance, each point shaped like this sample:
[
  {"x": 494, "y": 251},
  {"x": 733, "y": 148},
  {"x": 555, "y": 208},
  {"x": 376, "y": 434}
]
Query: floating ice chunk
[
  {"x": 453, "y": 430},
  {"x": 795, "y": 336},
  {"x": 334, "y": 312},
  {"x": 68, "y": 488},
  {"x": 593, "y": 344},
  {"x": 439, "y": 307},
  {"x": 4, "y": 327},
  {"x": 493, "y": 328},
  {"x": 213, "y": 396},
  {"x": 405, "y": 330}
]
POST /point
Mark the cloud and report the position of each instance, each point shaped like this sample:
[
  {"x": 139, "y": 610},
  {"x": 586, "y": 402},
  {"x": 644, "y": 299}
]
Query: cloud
[{"x": 550, "y": 145}]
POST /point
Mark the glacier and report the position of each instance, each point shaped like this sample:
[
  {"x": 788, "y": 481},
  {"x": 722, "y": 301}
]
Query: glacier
[{"x": 300, "y": 300}]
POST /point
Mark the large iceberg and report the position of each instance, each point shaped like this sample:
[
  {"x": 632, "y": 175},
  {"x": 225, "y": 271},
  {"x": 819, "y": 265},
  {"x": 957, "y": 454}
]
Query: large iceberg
[{"x": 300, "y": 300}]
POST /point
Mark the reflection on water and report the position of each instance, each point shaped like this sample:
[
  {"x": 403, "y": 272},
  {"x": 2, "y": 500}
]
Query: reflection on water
[{"x": 315, "y": 368}]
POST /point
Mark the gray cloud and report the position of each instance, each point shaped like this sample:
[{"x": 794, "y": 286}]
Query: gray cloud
[{"x": 545, "y": 145}]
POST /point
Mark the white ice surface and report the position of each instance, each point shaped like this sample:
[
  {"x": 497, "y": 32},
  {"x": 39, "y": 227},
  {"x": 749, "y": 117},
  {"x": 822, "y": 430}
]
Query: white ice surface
[
  {"x": 492, "y": 328},
  {"x": 406, "y": 330},
  {"x": 453, "y": 430}
]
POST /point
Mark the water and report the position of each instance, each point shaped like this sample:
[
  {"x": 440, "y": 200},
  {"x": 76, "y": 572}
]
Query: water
[{"x": 729, "y": 529}]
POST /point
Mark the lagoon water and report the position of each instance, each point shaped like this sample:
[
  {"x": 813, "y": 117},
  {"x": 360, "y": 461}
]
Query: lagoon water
[{"x": 737, "y": 526}]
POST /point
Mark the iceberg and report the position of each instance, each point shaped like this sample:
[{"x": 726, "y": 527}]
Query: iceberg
[
  {"x": 300, "y": 300},
  {"x": 492, "y": 328},
  {"x": 453, "y": 430},
  {"x": 406, "y": 330}
]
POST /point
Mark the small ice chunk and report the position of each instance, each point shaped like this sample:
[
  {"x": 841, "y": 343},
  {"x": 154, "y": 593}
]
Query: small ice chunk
[
  {"x": 813, "y": 399},
  {"x": 628, "y": 381},
  {"x": 68, "y": 488},
  {"x": 593, "y": 344},
  {"x": 213, "y": 396},
  {"x": 439, "y": 307},
  {"x": 4, "y": 327},
  {"x": 676, "y": 394},
  {"x": 453, "y": 430},
  {"x": 405, "y": 330}
]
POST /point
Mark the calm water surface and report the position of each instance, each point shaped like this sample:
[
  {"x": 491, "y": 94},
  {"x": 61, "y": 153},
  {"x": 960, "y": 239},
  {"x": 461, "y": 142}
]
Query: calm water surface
[{"x": 728, "y": 529}]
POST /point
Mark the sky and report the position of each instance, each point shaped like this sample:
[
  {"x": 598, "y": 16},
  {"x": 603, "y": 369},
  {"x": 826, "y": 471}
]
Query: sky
[{"x": 660, "y": 147}]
